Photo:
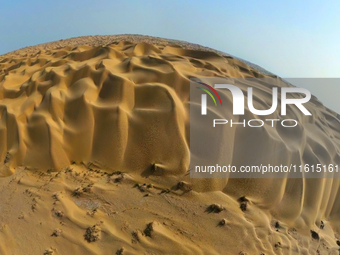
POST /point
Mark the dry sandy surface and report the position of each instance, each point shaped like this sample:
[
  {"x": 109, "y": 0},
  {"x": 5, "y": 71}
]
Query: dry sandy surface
[{"x": 94, "y": 158}]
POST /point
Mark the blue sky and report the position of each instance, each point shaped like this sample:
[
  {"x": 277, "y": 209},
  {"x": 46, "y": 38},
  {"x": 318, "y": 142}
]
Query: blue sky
[{"x": 289, "y": 38}]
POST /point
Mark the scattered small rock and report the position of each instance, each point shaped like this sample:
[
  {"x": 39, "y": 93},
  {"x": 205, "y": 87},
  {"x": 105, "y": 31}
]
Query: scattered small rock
[
  {"x": 34, "y": 207},
  {"x": 277, "y": 225},
  {"x": 149, "y": 229},
  {"x": 135, "y": 236},
  {"x": 322, "y": 225},
  {"x": 215, "y": 208},
  {"x": 243, "y": 199},
  {"x": 338, "y": 242},
  {"x": 314, "y": 235},
  {"x": 92, "y": 212},
  {"x": 165, "y": 191},
  {"x": 92, "y": 234},
  {"x": 56, "y": 232},
  {"x": 7, "y": 157},
  {"x": 156, "y": 169},
  {"x": 56, "y": 196},
  {"x": 119, "y": 179},
  {"x": 184, "y": 186},
  {"x": 77, "y": 192},
  {"x": 120, "y": 251},
  {"x": 278, "y": 245},
  {"x": 69, "y": 169},
  {"x": 243, "y": 206},
  {"x": 243, "y": 203},
  {"x": 141, "y": 187},
  {"x": 59, "y": 214},
  {"x": 222, "y": 222},
  {"x": 48, "y": 252},
  {"x": 88, "y": 188}
]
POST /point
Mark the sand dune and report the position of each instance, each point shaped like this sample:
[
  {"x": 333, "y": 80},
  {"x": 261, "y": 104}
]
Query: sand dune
[{"x": 94, "y": 150}]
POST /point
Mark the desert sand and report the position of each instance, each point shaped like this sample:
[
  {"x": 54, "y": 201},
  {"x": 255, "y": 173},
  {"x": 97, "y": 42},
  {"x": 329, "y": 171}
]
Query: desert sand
[{"x": 94, "y": 157}]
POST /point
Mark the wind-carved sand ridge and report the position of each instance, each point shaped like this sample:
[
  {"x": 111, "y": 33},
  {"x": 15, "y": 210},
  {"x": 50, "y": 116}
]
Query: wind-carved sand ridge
[{"x": 94, "y": 157}]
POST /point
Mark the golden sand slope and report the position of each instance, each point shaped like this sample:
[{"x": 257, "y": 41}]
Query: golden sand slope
[
  {"x": 121, "y": 106},
  {"x": 106, "y": 105}
]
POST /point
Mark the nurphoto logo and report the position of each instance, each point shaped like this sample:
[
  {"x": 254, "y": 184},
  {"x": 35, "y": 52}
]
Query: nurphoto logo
[
  {"x": 232, "y": 120},
  {"x": 238, "y": 104}
]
